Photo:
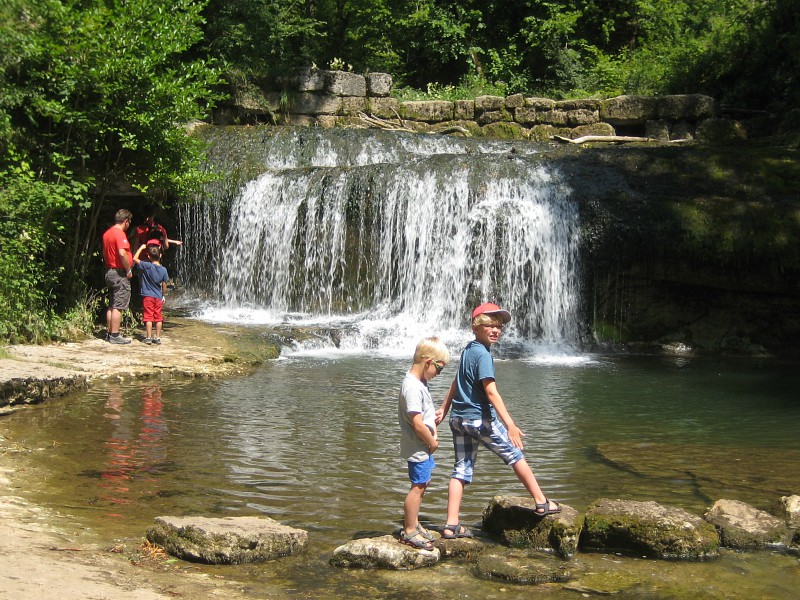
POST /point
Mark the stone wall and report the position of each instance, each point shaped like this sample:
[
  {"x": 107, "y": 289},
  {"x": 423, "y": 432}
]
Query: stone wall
[{"x": 319, "y": 98}]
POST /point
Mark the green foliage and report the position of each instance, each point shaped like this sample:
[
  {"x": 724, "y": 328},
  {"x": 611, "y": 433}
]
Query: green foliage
[
  {"x": 470, "y": 87},
  {"x": 262, "y": 37},
  {"x": 739, "y": 51},
  {"x": 30, "y": 223},
  {"x": 92, "y": 95}
]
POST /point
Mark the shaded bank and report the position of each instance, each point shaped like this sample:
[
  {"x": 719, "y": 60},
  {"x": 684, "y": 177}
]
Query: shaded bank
[{"x": 694, "y": 247}]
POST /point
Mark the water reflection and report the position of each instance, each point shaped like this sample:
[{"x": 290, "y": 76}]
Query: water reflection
[{"x": 135, "y": 450}]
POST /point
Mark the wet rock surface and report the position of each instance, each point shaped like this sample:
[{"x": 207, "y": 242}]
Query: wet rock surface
[
  {"x": 385, "y": 552},
  {"x": 522, "y": 568},
  {"x": 32, "y": 374},
  {"x": 514, "y": 521},
  {"x": 647, "y": 528},
  {"x": 226, "y": 541},
  {"x": 742, "y": 526}
]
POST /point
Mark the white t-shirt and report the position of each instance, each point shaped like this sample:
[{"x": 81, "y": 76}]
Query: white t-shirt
[{"x": 414, "y": 398}]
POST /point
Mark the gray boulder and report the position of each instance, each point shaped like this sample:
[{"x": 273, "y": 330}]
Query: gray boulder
[
  {"x": 628, "y": 110},
  {"x": 315, "y": 104},
  {"x": 742, "y": 526},
  {"x": 384, "y": 552},
  {"x": 226, "y": 541},
  {"x": 310, "y": 79},
  {"x": 489, "y": 103},
  {"x": 384, "y": 108},
  {"x": 344, "y": 83},
  {"x": 430, "y": 111},
  {"x": 721, "y": 131},
  {"x": 379, "y": 84},
  {"x": 514, "y": 521},
  {"x": 647, "y": 528},
  {"x": 686, "y": 106}
]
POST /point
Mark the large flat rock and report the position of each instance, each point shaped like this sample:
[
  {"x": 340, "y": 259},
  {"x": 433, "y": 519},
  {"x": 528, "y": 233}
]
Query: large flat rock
[{"x": 226, "y": 541}]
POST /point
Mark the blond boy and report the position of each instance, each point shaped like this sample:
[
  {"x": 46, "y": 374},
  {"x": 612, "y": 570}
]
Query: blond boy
[{"x": 418, "y": 437}]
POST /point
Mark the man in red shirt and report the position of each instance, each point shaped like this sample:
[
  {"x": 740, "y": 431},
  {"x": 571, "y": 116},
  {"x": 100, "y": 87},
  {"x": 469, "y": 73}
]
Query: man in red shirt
[
  {"x": 118, "y": 260},
  {"x": 149, "y": 230}
]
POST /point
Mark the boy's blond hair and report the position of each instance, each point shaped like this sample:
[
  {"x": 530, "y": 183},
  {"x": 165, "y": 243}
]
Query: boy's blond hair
[
  {"x": 433, "y": 348},
  {"x": 487, "y": 319}
]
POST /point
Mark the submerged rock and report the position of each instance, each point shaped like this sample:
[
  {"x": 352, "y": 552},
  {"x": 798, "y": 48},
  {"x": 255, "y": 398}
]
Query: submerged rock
[
  {"x": 715, "y": 471},
  {"x": 226, "y": 541},
  {"x": 514, "y": 520},
  {"x": 647, "y": 528},
  {"x": 522, "y": 568},
  {"x": 384, "y": 552},
  {"x": 742, "y": 526}
]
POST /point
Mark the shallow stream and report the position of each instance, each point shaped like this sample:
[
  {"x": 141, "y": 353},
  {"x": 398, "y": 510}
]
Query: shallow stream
[{"x": 312, "y": 441}]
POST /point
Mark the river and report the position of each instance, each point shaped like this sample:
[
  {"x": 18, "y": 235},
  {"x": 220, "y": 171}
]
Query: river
[{"x": 311, "y": 440}]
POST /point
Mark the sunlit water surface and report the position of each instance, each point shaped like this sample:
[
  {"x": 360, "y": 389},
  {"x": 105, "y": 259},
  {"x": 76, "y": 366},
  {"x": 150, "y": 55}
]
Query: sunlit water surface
[{"x": 313, "y": 442}]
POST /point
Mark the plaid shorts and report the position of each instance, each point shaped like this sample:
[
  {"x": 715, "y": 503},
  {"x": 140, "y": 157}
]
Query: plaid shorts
[{"x": 468, "y": 434}]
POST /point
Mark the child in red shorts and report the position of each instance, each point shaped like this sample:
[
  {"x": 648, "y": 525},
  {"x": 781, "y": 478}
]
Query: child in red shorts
[{"x": 153, "y": 280}]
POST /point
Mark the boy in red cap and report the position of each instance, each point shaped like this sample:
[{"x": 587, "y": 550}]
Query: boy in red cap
[
  {"x": 479, "y": 417},
  {"x": 154, "y": 280}
]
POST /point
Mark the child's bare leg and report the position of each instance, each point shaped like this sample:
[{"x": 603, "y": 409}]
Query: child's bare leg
[
  {"x": 412, "y": 505},
  {"x": 148, "y": 327},
  {"x": 158, "y": 329},
  {"x": 455, "y": 492},
  {"x": 524, "y": 473}
]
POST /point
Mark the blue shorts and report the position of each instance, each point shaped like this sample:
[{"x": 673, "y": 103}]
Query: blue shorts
[
  {"x": 420, "y": 472},
  {"x": 469, "y": 434}
]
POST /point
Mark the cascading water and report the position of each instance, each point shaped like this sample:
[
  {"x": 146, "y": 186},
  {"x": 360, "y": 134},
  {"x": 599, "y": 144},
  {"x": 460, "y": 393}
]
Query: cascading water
[{"x": 391, "y": 237}]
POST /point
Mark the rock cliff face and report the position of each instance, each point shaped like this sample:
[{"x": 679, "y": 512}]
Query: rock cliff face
[{"x": 694, "y": 249}]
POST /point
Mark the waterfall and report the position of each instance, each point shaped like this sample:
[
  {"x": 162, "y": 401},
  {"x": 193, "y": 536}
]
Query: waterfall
[{"x": 394, "y": 237}]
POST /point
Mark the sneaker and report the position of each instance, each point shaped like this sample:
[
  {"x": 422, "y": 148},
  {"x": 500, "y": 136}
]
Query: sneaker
[
  {"x": 148, "y": 340},
  {"x": 156, "y": 340},
  {"x": 118, "y": 340}
]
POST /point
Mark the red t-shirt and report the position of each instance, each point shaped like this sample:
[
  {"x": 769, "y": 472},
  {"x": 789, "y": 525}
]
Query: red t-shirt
[
  {"x": 113, "y": 240},
  {"x": 145, "y": 232}
]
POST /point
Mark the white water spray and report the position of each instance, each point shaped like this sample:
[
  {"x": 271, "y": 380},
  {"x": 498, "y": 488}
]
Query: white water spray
[{"x": 396, "y": 245}]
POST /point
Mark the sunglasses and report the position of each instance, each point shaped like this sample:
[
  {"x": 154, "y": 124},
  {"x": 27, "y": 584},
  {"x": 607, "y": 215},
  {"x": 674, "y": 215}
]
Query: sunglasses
[{"x": 437, "y": 366}]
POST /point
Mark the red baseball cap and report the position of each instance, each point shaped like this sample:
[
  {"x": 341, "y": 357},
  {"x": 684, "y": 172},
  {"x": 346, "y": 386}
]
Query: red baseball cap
[
  {"x": 154, "y": 242},
  {"x": 487, "y": 308}
]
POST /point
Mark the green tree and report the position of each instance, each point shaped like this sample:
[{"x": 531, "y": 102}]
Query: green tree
[
  {"x": 262, "y": 37},
  {"x": 94, "y": 94}
]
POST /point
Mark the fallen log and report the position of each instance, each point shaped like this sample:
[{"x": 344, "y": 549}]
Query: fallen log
[
  {"x": 374, "y": 121},
  {"x": 613, "y": 139},
  {"x": 602, "y": 138}
]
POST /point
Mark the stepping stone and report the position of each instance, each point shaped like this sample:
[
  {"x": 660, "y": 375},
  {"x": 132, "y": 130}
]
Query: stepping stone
[{"x": 226, "y": 541}]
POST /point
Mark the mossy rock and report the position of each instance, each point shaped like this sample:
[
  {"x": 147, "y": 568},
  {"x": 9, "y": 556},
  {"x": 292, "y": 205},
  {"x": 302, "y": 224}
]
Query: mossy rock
[
  {"x": 647, "y": 528},
  {"x": 515, "y": 522},
  {"x": 522, "y": 568}
]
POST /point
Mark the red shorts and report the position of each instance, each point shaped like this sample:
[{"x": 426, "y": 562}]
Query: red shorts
[{"x": 152, "y": 309}]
